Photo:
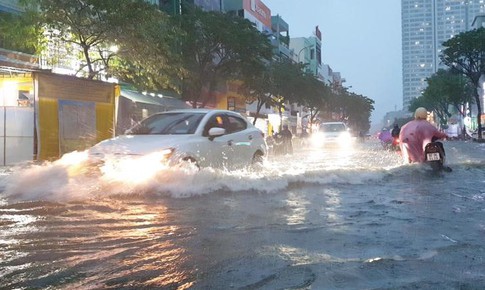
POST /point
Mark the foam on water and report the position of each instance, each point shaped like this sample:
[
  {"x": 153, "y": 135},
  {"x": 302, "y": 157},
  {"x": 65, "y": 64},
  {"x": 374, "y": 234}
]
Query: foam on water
[{"x": 55, "y": 181}]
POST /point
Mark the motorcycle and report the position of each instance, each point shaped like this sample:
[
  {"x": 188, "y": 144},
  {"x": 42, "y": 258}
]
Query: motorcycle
[
  {"x": 395, "y": 146},
  {"x": 434, "y": 153},
  {"x": 391, "y": 144},
  {"x": 279, "y": 145}
]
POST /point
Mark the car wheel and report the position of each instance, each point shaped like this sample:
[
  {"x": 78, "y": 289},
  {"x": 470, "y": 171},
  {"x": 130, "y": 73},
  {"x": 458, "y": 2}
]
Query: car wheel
[{"x": 258, "y": 160}]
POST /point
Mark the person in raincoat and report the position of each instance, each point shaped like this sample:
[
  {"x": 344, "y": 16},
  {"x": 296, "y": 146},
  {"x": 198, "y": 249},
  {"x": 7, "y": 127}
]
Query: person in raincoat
[
  {"x": 416, "y": 134},
  {"x": 386, "y": 138},
  {"x": 395, "y": 137}
]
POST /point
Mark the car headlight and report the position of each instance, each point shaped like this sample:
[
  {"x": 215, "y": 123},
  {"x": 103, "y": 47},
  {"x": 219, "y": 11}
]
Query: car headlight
[
  {"x": 345, "y": 135},
  {"x": 345, "y": 138},
  {"x": 155, "y": 158}
]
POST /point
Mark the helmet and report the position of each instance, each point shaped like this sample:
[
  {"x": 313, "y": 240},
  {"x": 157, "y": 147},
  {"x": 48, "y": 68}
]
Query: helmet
[{"x": 421, "y": 113}]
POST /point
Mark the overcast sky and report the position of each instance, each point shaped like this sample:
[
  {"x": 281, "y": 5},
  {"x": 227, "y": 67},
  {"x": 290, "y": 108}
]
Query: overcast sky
[{"x": 361, "y": 39}]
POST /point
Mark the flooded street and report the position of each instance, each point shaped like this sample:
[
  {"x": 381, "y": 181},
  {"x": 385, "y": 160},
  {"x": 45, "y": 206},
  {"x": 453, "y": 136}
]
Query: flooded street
[{"x": 353, "y": 219}]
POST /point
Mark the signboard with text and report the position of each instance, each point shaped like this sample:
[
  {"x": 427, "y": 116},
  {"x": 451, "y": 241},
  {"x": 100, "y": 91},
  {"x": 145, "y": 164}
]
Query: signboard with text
[{"x": 258, "y": 10}]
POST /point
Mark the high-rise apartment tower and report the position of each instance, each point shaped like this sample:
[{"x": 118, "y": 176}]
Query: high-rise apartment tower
[{"x": 426, "y": 24}]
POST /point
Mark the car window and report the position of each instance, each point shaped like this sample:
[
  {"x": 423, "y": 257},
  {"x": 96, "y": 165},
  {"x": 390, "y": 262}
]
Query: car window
[
  {"x": 168, "y": 124},
  {"x": 215, "y": 121},
  {"x": 235, "y": 124},
  {"x": 332, "y": 127}
]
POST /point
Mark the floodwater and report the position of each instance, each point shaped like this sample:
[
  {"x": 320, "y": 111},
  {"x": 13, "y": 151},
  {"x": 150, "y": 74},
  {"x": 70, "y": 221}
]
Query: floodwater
[{"x": 351, "y": 219}]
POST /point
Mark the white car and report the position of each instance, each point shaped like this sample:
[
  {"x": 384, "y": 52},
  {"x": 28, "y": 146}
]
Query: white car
[
  {"x": 207, "y": 138},
  {"x": 332, "y": 133}
]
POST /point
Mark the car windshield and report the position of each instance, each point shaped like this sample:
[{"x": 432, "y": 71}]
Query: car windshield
[
  {"x": 168, "y": 124},
  {"x": 335, "y": 127}
]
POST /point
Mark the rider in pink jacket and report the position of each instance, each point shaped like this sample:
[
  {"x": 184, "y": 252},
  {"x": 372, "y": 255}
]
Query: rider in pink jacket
[{"x": 416, "y": 134}]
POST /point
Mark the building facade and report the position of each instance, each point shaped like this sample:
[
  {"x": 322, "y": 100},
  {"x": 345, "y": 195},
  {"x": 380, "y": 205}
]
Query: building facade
[
  {"x": 176, "y": 7},
  {"x": 280, "y": 38},
  {"x": 426, "y": 24}
]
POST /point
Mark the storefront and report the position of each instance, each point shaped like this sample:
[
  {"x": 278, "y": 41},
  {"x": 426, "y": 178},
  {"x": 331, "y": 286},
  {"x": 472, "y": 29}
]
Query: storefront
[{"x": 45, "y": 115}]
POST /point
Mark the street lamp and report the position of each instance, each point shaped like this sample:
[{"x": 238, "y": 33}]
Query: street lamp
[{"x": 310, "y": 46}]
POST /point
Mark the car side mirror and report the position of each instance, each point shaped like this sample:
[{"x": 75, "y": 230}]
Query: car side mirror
[{"x": 216, "y": 132}]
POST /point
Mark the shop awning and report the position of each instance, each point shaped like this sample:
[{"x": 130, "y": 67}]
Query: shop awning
[{"x": 163, "y": 101}]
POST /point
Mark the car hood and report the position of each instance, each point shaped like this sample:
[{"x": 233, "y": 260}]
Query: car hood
[
  {"x": 333, "y": 133},
  {"x": 138, "y": 144},
  {"x": 337, "y": 133}
]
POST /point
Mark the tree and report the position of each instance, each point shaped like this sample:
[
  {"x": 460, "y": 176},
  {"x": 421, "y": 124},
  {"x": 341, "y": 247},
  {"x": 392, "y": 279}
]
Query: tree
[
  {"x": 289, "y": 84},
  {"x": 358, "y": 110},
  {"x": 465, "y": 53},
  {"x": 353, "y": 109},
  {"x": 148, "y": 56},
  {"x": 257, "y": 89},
  {"x": 284, "y": 81},
  {"x": 445, "y": 88},
  {"x": 105, "y": 30},
  {"x": 217, "y": 47},
  {"x": 315, "y": 95},
  {"x": 421, "y": 102},
  {"x": 21, "y": 32}
]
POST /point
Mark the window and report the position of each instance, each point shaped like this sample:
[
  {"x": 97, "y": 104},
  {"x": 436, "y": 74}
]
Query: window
[
  {"x": 25, "y": 99},
  {"x": 235, "y": 124},
  {"x": 168, "y": 123},
  {"x": 214, "y": 121}
]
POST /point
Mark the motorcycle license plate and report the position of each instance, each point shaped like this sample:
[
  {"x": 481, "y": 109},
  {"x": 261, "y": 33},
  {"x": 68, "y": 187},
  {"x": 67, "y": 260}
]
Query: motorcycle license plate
[{"x": 433, "y": 156}]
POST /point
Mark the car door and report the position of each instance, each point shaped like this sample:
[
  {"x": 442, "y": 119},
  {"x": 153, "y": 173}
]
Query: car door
[
  {"x": 219, "y": 151},
  {"x": 240, "y": 138}
]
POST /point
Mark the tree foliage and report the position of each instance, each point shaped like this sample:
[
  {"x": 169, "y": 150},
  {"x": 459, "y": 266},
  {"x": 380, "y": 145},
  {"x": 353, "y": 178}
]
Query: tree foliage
[
  {"x": 256, "y": 88},
  {"x": 105, "y": 30},
  {"x": 148, "y": 56},
  {"x": 465, "y": 54},
  {"x": 314, "y": 96},
  {"x": 217, "y": 47},
  {"x": 351, "y": 108},
  {"x": 445, "y": 89},
  {"x": 21, "y": 32},
  {"x": 358, "y": 111}
]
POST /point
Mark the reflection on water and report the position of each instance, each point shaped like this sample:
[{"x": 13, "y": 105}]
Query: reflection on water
[
  {"x": 85, "y": 244},
  {"x": 297, "y": 209},
  {"x": 333, "y": 202}
]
